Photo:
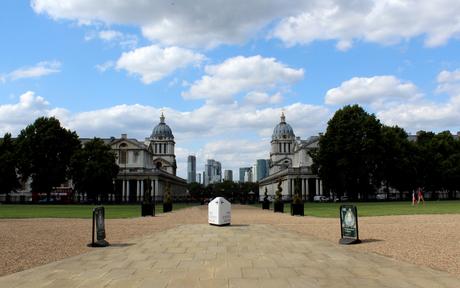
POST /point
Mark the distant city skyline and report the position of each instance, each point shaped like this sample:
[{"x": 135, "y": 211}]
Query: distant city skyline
[{"x": 223, "y": 81}]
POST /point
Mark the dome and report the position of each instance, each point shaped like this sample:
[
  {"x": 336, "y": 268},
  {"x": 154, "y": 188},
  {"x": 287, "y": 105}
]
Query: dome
[
  {"x": 162, "y": 131},
  {"x": 283, "y": 130}
]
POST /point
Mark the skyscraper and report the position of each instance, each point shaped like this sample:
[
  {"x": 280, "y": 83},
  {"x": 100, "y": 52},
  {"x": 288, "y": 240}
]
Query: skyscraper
[
  {"x": 213, "y": 171},
  {"x": 228, "y": 175},
  {"x": 191, "y": 169},
  {"x": 242, "y": 172},
  {"x": 262, "y": 168}
]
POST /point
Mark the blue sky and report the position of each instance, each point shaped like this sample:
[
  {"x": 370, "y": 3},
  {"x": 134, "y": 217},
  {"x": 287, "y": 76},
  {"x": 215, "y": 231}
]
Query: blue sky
[{"x": 222, "y": 71}]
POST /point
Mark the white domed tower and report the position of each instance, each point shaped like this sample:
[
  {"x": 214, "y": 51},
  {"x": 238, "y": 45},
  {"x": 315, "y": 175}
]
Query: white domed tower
[
  {"x": 162, "y": 145},
  {"x": 282, "y": 146}
]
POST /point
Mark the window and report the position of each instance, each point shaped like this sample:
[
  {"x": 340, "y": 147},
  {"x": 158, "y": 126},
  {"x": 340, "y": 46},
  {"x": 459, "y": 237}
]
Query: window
[{"x": 123, "y": 153}]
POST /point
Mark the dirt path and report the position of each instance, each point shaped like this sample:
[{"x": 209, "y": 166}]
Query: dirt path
[{"x": 428, "y": 240}]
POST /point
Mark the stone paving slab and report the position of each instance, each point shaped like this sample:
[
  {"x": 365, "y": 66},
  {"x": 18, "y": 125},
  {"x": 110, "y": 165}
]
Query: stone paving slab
[{"x": 200, "y": 255}]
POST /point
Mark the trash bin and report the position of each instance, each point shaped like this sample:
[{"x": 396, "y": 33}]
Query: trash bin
[{"x": 219, "y": 211}]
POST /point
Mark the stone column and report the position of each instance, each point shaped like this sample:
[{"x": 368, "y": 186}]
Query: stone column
[
  {"x": 127, "y": 191},
  {"x": 138, "y": 190},
  {"x": 317, "y": 186},
  {"x": 151, "y": 189},
  {"x": 303, "y": 189},
  {"x": 123, "y": 191},
  {"x": 142, "y": 190},
  {"x": 321, "y": 187},
  {"x": 157, "y": 192},
  {"x": 289, "y": 187},
  {"x": 307, "y": 192}
]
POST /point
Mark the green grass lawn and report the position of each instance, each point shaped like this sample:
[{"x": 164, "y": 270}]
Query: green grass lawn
[
  {"x": 331, "y": 210},
  {"x": 76, "y": 211}
]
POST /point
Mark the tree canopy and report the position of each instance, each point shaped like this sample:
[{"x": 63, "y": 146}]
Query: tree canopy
[
  {"x": 93, "y": 169},
  {"x": 350, "y": 152},
  {"x": 44, "y": 152},
  {"x": 357, "y": 155},
  {"x": 8, "y": 164}
]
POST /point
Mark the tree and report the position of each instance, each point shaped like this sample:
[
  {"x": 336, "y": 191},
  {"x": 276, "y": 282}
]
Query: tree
[
  {"x": 93, "y": 169},
  {"x": 398, "y": 165},
  {"x": 44, "y": 153},
  {"x": 196, "y": 191},
  {"x": 350, "y": 154},
  {"x": 8, "y": 164}
]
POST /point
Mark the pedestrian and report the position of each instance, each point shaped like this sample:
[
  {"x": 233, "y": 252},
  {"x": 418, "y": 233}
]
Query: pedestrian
[
  {"x": 420, "y": 196},
  {"x": 413, "y": 198}
]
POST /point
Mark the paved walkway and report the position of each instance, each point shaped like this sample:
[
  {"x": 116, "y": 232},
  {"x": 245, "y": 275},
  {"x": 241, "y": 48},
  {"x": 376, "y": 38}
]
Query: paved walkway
[{"x": 200, "y": 255}]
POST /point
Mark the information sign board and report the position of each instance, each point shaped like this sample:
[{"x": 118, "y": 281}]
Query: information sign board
[
  {"x": 99, "y": 226},
  {"x": 349, "y": 224}
]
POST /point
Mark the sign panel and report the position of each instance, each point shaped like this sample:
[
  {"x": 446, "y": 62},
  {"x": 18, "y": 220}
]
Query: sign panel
[
  {"x": 99, "y": 226},
  {"x": 349, "y": 224}
]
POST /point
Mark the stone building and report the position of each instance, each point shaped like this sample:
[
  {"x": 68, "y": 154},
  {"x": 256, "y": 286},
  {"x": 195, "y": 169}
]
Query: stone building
[
  {"x": 291, "y": 163},
  {"x": 146, "y": 167}
]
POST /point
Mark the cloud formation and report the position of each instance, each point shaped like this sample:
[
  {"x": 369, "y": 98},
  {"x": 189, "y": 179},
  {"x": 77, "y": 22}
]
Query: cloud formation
[
  {"x": 377, "y": 91},
  {"x": 428, "y": 115},
  {"x": 383, "y": 21},
  {"x": 153, "y": 63},
  {"x": 40, "y": 69},
  {"x": 176, "y": 23},
  {"x": 241, "y": 75},
  {"x": 295, "y": 22},
  {"x": 245, "y": 131}
]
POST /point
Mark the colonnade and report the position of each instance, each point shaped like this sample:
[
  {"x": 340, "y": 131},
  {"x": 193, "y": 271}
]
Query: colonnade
[
  {"x": 305, "y": 187},
  {"x": 140, "y": 189}
]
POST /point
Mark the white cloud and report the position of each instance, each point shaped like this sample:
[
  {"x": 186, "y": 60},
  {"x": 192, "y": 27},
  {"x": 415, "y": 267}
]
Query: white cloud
[
  {"x": 241, "y": 74},
  {"x": 40, "y": 69},
  {"x": 238, "y": 124},
  {"x": 153, "y": 63},
  {"x": 428, "y": 115},
  {"x": 210, "y": 23},
  {"x": 179, "y": 23},
  {"x": 128, "y": 41},
  {"x": 105, "y": 66},
  {"x": 109, "y": 35},
  {"x": 260, "y": 98},
  {"x": 378, "y": 91},
  {"x": 449, "y": 82},
  {"x": 382, "y": 21},
  {"x": 14, "y": 117}
]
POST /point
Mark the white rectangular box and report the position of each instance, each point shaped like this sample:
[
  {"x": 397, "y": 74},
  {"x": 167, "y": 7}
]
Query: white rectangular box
[{"x": 219, "y": 211}]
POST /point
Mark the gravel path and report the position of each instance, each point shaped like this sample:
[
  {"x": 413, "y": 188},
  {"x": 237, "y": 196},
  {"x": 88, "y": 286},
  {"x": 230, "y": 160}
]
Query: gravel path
[{"x": 428, "y": 240}]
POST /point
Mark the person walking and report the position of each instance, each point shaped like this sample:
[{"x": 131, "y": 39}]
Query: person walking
[
  {"x": 413, "y": 197},
  {"x": 420, "y": 196}
]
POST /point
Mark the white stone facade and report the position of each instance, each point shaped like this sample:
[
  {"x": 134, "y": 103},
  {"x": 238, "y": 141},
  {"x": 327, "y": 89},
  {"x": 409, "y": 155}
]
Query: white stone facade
[{"x": 291, "y": 163}]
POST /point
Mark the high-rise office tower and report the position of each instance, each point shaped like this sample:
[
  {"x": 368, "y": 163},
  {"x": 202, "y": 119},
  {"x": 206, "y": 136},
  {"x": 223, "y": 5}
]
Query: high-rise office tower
[
  {"x": 228, "y": 175},
  {"x": 242, "y": 172},
  {"x": 191, "y": 169},
  {"x": 213, "y": 170}
]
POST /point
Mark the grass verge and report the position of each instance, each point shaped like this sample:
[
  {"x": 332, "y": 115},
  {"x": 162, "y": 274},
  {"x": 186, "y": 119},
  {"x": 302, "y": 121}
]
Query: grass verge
[
  {"x": 14, "y": 211},
  {"x": 331, "y": 210}
]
